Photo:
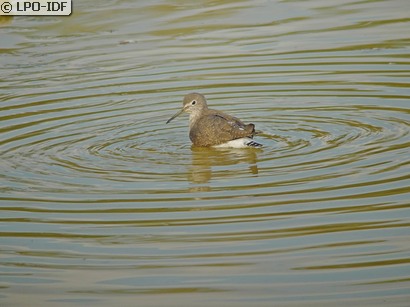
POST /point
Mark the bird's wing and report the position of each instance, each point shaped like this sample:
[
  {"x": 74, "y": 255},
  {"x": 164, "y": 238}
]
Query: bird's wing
[
  {"x": 219, "y": 128},
  {"x": 234, "y": 122}
]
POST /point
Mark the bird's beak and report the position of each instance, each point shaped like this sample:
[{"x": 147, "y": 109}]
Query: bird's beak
[{"x": 176, "y": 115}]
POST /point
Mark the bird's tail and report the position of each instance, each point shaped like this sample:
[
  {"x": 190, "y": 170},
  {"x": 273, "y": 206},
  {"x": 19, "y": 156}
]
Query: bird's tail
[
  {"x": 250, "y": 128},
  {"x": 252, "y": 143}
]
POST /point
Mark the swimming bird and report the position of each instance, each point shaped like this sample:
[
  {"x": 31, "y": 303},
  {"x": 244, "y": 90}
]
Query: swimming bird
[{"x": 208, "y": 127}]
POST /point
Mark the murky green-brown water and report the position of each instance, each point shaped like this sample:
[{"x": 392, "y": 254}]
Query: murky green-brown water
[{"x": 103, "y": 204}]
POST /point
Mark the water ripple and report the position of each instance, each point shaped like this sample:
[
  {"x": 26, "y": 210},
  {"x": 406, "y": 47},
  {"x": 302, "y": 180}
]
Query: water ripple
[{"x": 101, "y": 199}]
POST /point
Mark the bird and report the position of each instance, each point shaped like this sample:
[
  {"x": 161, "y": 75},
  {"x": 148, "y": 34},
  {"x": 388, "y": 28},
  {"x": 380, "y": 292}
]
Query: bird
[{"x": 213, "y": 128}]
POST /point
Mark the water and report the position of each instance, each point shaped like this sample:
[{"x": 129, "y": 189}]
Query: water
[{"x": 102, "y": 203}]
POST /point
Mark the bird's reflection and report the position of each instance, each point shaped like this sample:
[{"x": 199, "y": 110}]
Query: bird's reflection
[{"x": 204, "y": 160}]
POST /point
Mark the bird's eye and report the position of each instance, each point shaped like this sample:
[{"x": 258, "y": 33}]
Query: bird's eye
[{"x": 193, "y": 102}]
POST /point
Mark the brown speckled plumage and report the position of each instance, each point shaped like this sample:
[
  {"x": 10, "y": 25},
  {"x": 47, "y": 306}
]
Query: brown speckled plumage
[{"x": 209, "y": 127}]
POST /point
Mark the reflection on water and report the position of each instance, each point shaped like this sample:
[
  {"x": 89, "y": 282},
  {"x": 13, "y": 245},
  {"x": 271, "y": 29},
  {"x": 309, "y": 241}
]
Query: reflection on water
[
  {"x": 102, "y": 203},
  {"x": 206, "y": 162}
]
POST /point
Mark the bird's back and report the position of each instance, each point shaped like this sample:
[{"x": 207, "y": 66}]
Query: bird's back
[{"x": 215, "y": 127}]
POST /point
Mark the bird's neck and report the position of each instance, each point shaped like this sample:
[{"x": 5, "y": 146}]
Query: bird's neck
[{"x": 194, "y": 116}]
